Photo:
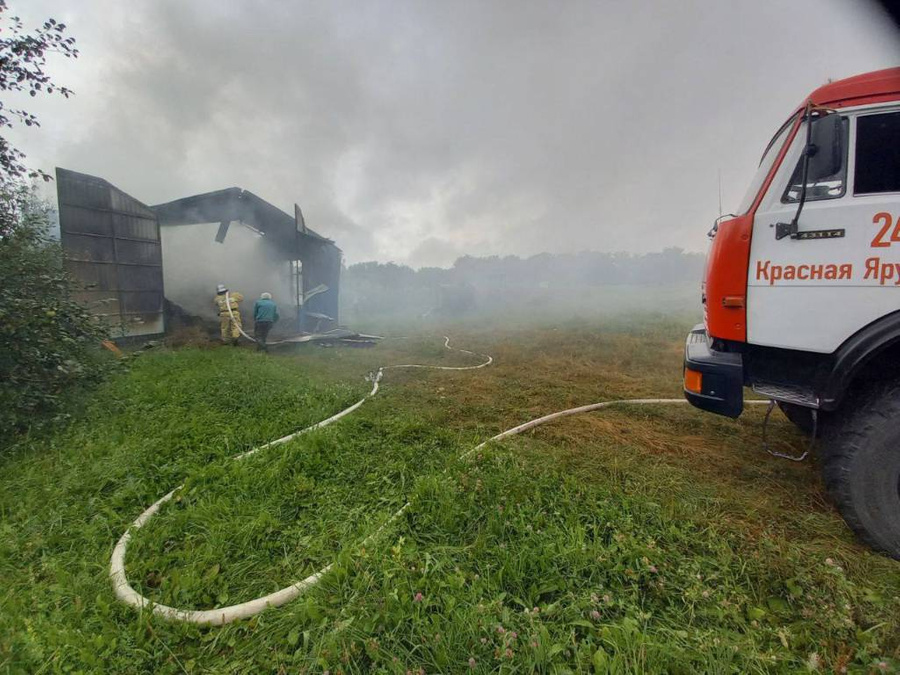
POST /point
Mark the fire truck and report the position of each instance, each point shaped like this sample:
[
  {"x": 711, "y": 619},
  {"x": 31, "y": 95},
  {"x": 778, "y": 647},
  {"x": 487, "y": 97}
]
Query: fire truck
[{"x": 802, "y": 295}]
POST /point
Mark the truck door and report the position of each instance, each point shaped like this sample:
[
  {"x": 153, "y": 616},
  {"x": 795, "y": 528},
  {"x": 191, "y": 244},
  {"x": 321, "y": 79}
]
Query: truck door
[{"x": 841, "y": 269}]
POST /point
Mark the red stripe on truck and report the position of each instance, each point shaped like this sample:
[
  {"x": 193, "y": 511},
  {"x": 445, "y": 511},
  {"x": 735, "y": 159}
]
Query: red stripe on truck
[
  {"x": 875, "y": 87},
  {"x": 726, "y": 276},
  {"x": 729, "y": 262}
]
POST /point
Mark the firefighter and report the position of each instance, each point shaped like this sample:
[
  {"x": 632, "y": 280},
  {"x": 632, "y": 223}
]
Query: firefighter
[
  {"x": 231, "y": 327},
  {"x": 265, "y": 314}
]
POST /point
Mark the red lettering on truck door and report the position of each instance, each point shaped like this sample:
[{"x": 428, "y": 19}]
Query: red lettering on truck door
[{"x": 878, "y": 241}]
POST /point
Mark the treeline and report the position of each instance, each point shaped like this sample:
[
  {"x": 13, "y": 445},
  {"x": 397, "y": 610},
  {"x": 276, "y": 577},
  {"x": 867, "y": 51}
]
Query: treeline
[{"x": 558, "y": 283}]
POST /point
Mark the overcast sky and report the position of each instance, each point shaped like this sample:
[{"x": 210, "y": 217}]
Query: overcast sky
[{"x": 419, "y": 131}]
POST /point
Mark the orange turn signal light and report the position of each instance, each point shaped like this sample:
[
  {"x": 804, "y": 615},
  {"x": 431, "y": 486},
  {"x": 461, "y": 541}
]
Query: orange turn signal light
[
  {"x": 693, "y": 380},
  {"x": 733, "y": 301}
]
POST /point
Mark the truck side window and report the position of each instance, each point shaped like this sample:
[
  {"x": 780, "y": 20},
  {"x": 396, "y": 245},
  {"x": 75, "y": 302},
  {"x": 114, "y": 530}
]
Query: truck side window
[
  {"x": 877, "y": 154},
  {"x": 831, "y": 186}
]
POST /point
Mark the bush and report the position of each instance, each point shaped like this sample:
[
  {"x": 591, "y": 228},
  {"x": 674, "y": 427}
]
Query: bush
[{"x": 49, "y": 343}]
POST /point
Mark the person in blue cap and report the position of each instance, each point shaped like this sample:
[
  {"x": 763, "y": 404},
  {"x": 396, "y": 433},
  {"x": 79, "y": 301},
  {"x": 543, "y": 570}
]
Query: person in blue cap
[{"x": 265, "y": 314}]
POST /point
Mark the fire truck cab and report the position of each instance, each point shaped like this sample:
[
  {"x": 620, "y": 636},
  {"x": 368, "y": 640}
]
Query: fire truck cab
[{"x": 802, "y": 295}]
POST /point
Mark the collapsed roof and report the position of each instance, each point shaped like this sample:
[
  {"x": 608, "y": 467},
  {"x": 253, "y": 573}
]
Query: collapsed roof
[
  {"x": 289, "y": 237},
  {"x": 101, "y": 226},
  {"x": 289, "y": 234}
]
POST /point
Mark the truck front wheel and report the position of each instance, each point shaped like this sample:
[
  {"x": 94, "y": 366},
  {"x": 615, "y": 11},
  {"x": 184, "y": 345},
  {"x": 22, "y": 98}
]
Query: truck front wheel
[{"x": 861, "y": 466}]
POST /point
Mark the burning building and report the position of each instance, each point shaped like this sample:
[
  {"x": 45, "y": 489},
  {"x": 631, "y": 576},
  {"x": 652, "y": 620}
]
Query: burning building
[{"x": 132, "y": 257}]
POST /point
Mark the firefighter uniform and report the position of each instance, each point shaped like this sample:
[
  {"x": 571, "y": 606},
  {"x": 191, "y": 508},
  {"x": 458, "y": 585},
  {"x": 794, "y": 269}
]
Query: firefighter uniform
[{"x": 231, "y": 328}]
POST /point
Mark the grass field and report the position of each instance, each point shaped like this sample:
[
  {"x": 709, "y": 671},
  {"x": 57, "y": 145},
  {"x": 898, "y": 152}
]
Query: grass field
[{"x": 641, "y": 539}]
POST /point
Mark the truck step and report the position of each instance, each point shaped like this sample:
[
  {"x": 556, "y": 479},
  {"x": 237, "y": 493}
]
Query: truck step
[{"x": 787, "y": 393}]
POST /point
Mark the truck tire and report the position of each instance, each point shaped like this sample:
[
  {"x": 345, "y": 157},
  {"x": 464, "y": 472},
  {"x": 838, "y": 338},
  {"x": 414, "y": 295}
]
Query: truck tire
[
  {"x": 861, "y": 467},
  {"x": 799, "y": 415}
]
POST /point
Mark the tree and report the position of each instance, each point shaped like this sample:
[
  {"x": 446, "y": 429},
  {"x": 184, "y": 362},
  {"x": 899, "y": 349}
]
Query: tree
[
  {"x": 48, "y": 341},
  {"x": 23, "y": 57}
]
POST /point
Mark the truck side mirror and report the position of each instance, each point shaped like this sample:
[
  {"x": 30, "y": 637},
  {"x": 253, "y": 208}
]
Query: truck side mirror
[
  {"x": 826, "y": 147},
  {"x": 823, "y": 162}
]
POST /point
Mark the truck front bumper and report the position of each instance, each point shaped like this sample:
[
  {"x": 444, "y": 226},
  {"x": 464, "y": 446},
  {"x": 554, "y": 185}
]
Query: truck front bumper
[{"x": 713, "y": 380}]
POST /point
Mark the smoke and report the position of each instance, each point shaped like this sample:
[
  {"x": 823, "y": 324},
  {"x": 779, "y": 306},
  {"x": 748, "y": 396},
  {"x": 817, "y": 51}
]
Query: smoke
[
  {"x": 413, "y": 131},
  {"x": 194, "y": 264},
  {"x": 542, "y": 289}
]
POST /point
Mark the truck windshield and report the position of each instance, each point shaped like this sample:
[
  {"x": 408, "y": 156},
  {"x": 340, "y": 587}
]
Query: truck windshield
[{"x": 765, "y": 164}]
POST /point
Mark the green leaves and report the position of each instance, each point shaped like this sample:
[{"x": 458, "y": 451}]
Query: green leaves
[
  {"x": 755, "y": 613},
  {"x": 49, "y": 344},
  {"x": 23, "y": 59}
]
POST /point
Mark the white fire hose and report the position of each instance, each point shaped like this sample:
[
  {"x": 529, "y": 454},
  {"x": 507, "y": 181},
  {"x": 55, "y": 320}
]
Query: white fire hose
[
  {"x": 235, "y": 323},
  {"x": 241, "y": 328},
  {"x": 223, "y": 615}
]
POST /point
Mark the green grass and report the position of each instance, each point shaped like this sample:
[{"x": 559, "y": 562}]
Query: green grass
[{"x": 649, "y": 539}]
